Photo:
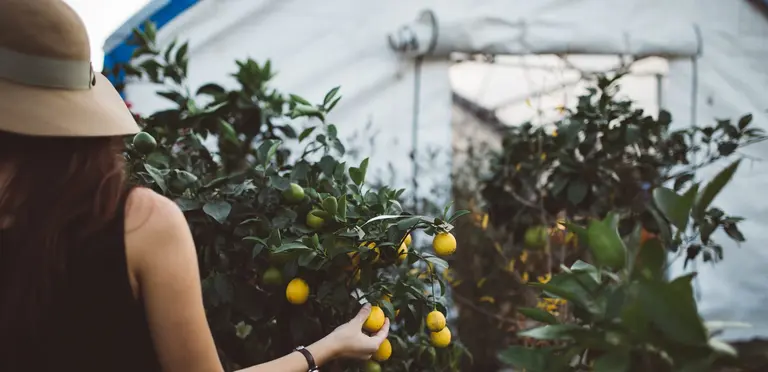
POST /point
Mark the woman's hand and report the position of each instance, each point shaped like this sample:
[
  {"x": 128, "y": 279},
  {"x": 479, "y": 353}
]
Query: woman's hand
[{"x": 349, "y": 340}]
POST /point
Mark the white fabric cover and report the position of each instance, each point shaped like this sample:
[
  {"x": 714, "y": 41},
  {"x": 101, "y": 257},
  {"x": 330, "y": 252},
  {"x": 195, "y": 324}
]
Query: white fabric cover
[{"x": 318, "y": 45}]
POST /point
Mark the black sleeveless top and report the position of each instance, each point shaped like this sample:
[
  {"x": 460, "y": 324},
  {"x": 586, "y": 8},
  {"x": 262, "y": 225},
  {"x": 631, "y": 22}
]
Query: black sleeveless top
[{"x": 96, "y": 323}]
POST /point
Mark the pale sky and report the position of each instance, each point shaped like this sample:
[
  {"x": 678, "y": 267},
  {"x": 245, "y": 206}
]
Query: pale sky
[{"x": 102, "y": 17}]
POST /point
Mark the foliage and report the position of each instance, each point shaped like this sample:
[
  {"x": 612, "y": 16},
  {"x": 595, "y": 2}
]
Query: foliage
[
  {"x": 628, "y": 316},
  {"x": 604, "y": 155},
  {"x": 262, "y": 215}
]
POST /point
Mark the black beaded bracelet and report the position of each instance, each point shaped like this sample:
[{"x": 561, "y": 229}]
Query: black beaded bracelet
[{"x": 310, "y": 359}]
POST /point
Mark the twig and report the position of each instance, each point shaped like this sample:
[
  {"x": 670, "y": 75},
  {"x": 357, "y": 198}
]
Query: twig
[{"x": 480, "y": 310}]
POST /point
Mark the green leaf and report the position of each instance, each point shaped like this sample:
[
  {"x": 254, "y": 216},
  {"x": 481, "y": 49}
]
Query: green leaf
[
  {"x": 288, "y": 247},
  {"x": 298, "y": 99},
  {"x": 577, "y": 191},
  {"x": 675, "y": 207},
  {"x": 306, "y": 133},
  {"x": 744, "y": 121},
  {"x": 612, "y": 362},
  {"x": 458, "y": 214},
  {"x": 672, "y": 308},
  {"x": 438, "y": 262},
  {"x": 713, "y": 188},
  {"x": 580, "y": 232},
  {"x": 537, "y": 315},
  {"x": 733, "y": 232},
  {"x": 157, "y": 176},
  {"x": 330, "y": 95},
  {"x": 581, "y": 266},
  {"x": 211, "y": 90},
  {"x": 358, "y": 174},
  {"x": 218, "y": 210},
  {"x": 606, "y": 244},
  {"x": 551, "y": 332},
  {"x": 651, "y": 259},
  {"x": 267, "y": 150},
  {"x": 532, "y": 360},
  {"x": 556, "y": 291}
]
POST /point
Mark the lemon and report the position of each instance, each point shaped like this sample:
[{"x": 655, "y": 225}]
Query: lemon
[
  {"x": 384, "y": 351},
  {"x": 376, "y": 249},
  {"x": 354, "y": 257},
  {"x": 375, "y": 320},
  {"x": 435, "y": 321},
  {"x": 371, "y": 366},
  {"x": 408, "y": 240},
  {"x": 144, "y": 143},
  {"x": 297, "y": 291},
  {"x": 272, "y": 277},
  {"x": 441, "y": 339},
  {"x": 293, "y": 194},
  {"x": 314, "y": 222},
  {"x": 444, "y": 244},
  {"x": 402, "y": 253},
  {"x": 536, "y": 237}
]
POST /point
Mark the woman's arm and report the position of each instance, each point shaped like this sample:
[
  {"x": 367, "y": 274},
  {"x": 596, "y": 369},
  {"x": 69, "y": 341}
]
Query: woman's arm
[{"x": 164, "y": 272}]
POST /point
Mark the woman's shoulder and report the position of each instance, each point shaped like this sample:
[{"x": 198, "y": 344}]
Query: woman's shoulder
[
  {"x": 147, "y": 211},
  {"x": 152, "y": 221}
]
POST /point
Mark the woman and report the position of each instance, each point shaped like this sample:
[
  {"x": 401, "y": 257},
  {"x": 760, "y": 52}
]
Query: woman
[{"x": 94, "y": 276}]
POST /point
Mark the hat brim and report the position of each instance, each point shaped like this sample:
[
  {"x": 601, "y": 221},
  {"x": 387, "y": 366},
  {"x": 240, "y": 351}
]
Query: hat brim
[{"x": 36, "y": 111}]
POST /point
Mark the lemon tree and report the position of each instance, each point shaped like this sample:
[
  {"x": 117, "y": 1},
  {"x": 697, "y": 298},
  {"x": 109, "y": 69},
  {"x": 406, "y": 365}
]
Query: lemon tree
[{"x": 290, "y": 242}]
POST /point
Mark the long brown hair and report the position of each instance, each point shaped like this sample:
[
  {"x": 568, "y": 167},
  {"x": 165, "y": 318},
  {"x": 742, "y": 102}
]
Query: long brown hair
[{"x": 59, "y": 191}]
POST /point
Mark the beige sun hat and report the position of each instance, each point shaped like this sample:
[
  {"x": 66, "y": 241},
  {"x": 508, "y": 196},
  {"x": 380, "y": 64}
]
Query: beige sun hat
[{"x": 47, "y": 83}]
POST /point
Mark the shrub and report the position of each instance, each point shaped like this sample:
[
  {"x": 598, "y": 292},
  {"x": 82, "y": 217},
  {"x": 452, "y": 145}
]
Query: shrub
[
  {"x": 263, "y": 216},
  {"x": 626, "y": 315},
  {"x": 604, "y": 155}
]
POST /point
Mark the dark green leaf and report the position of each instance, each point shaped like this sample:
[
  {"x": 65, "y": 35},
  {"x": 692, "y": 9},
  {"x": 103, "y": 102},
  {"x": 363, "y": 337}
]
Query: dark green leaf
[
  {"x": 211, "y": 90},
  {"x": 305, "y": 133},
  {"x": 606, "y": 244},
  {"x": 733, "y": 231},
  {"x": 651, "y": 259},
  {"x": 577, "y": 191},
  {"x": 157, "y": 176},
  {"x": 744, "y": 121},
  {"x": 295, "y": 246},
  {"x": 458, "y": 214},
  {"x": 219, "y": 210},
  {"x": 330, "y": 95},
  {"x": 612, "y": 362},
  {"x": 532, "y": 360},
  {"x": 358, "y": 174},
  {"x": 675, "y": 207},
  {"x": 297, "y": 99},
  {"x": 537, "y": 315},
  {"x": 672, "y": 308},
  {"x": 287, "y": 130},
  {"x": 713, "y": 188}
]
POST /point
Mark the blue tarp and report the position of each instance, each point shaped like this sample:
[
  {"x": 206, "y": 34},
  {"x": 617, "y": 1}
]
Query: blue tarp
[{"x": 122, "y": 52}]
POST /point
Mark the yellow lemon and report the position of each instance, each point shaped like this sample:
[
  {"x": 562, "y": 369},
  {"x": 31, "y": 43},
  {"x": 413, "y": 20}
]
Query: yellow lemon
[
  {"x": 441, "y": 339},
  {"x": 444, "y": 244},
  {"x": 375, "y": 320},
  {"x": 384, "y": 351},
  {"x": 408, "y": 240},
  {"x": 297, "y": 291},
  {"x": 402, "y": 253},
  {"x": 354, "y": 258},
  {"x": 375, "y": 249},
  {"x": 435, "y": 321}
]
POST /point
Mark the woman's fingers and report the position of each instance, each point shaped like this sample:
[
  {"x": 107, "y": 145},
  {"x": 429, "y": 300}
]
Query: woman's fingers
[
  {"x": 362, "y": 315},
  {"x": 382, "y": 333}
]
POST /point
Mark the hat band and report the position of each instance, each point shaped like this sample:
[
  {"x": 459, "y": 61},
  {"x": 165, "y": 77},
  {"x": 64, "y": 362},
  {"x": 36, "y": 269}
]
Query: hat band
[{"x": 45, "y": 72}]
